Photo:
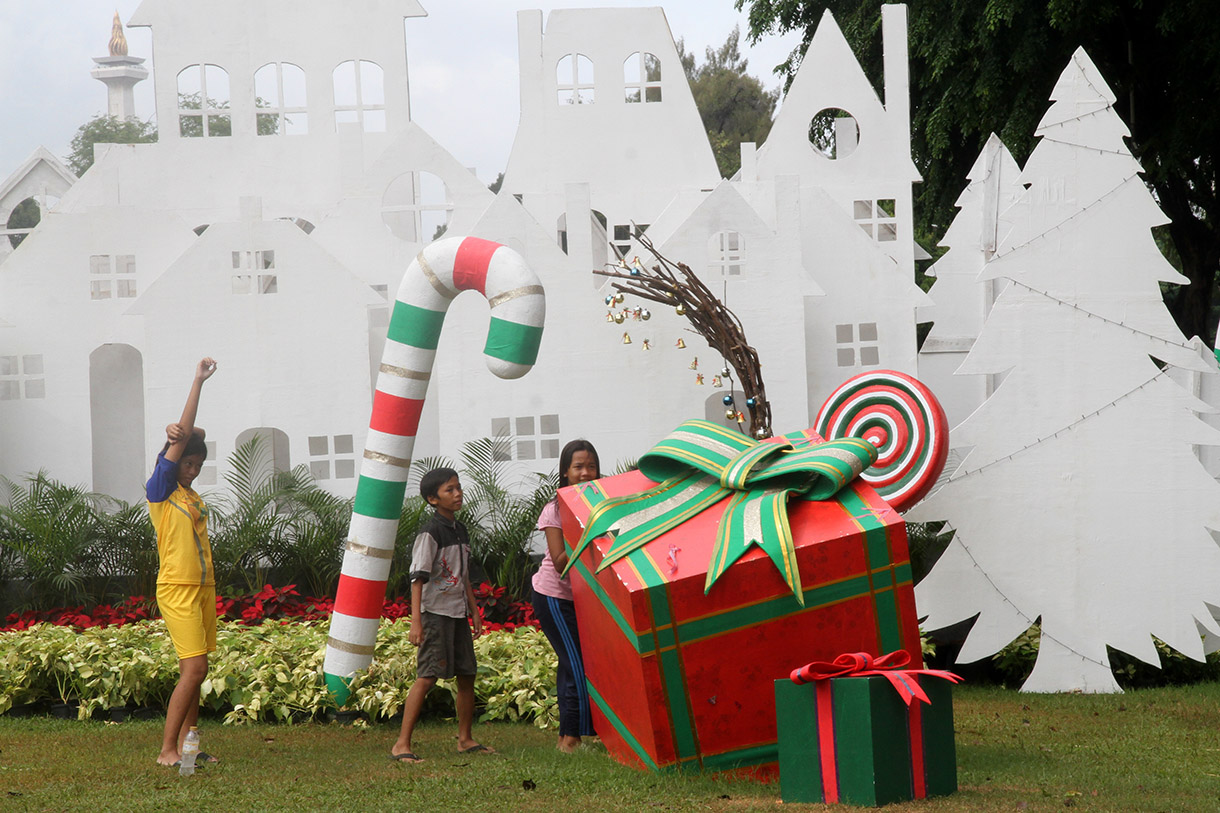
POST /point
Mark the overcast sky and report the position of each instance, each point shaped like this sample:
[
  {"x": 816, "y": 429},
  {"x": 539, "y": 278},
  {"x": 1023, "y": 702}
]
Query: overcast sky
[{"x": 462, "y": 59}]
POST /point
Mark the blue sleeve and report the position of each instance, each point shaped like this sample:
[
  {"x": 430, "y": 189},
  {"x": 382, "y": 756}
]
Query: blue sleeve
[{"x": 164, "y": 480}]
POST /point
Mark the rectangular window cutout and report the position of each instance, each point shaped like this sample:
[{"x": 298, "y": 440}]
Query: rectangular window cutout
[
  {"x": 846, "y": 357},
  {"x": 525, "y": 450},
  {"x": 320, "y": 469},
  {"x": 345, "y": 469},
  {"x": 844, "y": 333},
  {"x": 869, "y": 356},
  {"x": 319, "y": 445},
  {"x": 868, "y": 331},
  {"x": 549, "y": 448},
  {"x": 500, "y": 427},
  {"x": 343, "y": 444},
  {"x": 548, "y": 425},
  {"x": 525, "y": 426}
]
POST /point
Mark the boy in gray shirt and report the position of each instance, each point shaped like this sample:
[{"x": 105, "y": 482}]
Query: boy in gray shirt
[{"x": 441, "y": 601}]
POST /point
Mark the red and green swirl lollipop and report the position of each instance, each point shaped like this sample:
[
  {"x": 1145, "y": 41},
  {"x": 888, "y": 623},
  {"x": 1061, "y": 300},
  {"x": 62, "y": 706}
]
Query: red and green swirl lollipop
[{"x": 903, "y": 419}]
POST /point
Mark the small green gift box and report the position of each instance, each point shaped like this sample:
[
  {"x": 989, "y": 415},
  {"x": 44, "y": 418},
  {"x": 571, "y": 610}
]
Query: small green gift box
[{"x": 864, "y": 731}]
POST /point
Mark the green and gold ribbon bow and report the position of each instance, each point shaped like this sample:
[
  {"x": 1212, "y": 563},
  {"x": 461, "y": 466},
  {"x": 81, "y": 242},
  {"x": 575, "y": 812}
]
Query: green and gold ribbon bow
[{"x": 698, "y": 465}]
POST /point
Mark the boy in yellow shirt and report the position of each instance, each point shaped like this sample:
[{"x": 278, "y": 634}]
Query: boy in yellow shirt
[{"x": 186, "y": 585}]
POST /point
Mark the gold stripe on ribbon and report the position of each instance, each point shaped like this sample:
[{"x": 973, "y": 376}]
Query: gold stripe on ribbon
[
  {"x": 515, "y": 293},
  {"x": 354, "y": 649},
  {"x": 378, "y": 457},
  {"x": 403, "y": 372},
  {"x": 433, "y": 279},
  {"x": 372, "y": 553},
  {"x": 844, "y": 456},
  {"x": 704, "y": 442}
]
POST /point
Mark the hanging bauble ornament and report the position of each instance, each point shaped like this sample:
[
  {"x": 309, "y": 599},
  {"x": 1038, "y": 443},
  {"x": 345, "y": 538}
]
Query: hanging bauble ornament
[
  {"x": 636, "y": 270},
  {"x": 626, "y": 338},
  {"x": 716, "y": 382},
  {"x": 694, "y": 365},
  {"x": 730, "y": 415},
  {"x": 609, "y": 299},
  {"x": 647, "y": 346},
  {"x": 751, "y": 402},
  {"x": 645, "y": 315},
  {"x": 726, "y": 372},
  {"x": 728, "y": 400},
  {"x": 699, "y": 379},
  {"x": 680, "y": 310},
  {"x": 681, "y": 345},
  {"x": 619, "y": 317},
  {"x": 618, "y": 298}
]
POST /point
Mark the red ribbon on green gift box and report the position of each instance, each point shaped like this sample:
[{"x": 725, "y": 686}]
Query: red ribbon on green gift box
[{"x": 861, "y": 664}]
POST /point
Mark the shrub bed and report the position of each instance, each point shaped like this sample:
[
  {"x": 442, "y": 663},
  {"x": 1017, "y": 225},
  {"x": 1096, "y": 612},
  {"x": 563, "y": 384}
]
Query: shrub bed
[{"x": 268, "y": 671}]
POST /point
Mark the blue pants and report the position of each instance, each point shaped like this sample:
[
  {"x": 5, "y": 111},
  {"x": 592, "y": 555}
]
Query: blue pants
[{"x": 558, "y": 619}]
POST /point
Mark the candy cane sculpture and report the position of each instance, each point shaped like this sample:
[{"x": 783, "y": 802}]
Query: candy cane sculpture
[{"x": 440, "y": 272}]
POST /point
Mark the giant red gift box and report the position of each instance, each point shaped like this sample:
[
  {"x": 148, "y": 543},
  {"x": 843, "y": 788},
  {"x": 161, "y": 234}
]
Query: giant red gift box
[{"x": 682, "y": 679}]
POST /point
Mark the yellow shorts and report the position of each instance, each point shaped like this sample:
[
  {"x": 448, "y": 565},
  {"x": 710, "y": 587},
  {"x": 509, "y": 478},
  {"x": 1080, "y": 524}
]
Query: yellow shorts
[{"x": 189, "y": 611}]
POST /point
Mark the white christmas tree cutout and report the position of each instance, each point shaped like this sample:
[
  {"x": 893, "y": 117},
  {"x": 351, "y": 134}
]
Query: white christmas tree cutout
[{"x": 1080, "y": 502}]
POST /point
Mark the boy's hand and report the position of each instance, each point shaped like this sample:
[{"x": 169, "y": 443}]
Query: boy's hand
[
  {"x": 478, "y": 623},
  {"x": 205, "y": 369},
  {"x": 174, "y": 432},
  {"x": 416, "y": 634}
]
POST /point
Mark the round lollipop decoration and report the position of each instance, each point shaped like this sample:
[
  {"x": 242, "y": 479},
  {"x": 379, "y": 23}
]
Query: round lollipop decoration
[{"x": 903, "y": 419}]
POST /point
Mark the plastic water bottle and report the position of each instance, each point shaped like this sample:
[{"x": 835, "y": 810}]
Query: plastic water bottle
[{"x": 190, "y": 749}]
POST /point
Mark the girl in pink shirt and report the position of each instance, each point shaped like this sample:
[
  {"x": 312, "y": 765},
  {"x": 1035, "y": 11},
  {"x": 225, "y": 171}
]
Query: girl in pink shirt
[{"x": 553, "y": 605}]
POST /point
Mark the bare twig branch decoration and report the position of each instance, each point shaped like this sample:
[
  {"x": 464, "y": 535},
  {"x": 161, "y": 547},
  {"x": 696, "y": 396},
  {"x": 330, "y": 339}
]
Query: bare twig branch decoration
[{"x": 674, "y": 284}]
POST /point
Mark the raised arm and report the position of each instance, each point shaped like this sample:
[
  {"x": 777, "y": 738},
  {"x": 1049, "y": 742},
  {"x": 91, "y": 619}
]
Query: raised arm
[{"x": 186, "y": 424}]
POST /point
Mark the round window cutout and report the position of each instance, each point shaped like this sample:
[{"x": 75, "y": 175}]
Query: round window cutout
[{"x": 834, "y": 133}]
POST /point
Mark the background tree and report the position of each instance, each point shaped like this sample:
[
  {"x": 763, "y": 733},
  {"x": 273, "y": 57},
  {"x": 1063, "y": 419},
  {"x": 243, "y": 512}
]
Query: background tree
[
  {"x": 978, "y": 68},
  {"x": 106, "y": 130},
  {"x": 734, "y": 106}
]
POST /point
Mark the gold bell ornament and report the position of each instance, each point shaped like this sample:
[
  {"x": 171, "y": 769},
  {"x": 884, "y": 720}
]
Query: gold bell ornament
[
  {"x": 647, "y": 346},
  {"x": 716, "y": 382},
  {"x": 694, "y": 365},
  {"x": 626, "y": 338},
  {"x": 681, "y": 345}
]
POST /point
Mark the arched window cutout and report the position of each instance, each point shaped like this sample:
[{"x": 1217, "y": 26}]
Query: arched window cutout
[
  {"x": 203, "y": 102},
  {"x": 279, "y": 98},
  {"x": 834, "y": 133},
  {"x": 574, "y": 77},
  {"x": 642, "y": 77},
  {"x": 270, "y": 452},
  {"x": 416, "y": 207},
  {"x": 360, "y": 95},
  {"x": 25, "y": 216},
  {"x": 726, "y": 254}
]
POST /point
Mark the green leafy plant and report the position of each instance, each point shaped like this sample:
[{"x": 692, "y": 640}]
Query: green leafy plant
[
  {"x": 500, "y": 516},
  {"x": 54, "y": 532}
]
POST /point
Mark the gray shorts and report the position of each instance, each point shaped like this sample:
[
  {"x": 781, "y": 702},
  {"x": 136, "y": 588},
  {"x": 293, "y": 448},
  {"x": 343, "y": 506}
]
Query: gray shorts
[{"x": 448, "y": 648}]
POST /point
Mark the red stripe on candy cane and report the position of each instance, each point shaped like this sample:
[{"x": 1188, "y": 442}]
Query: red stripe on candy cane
[
  {"x": 394, "y": 415},
  {"x": 359, "y": 598},
  {"x": 471, "y": 263}
]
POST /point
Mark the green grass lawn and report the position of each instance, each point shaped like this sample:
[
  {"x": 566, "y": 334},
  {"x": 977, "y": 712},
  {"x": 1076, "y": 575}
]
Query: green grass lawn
[{"x": 1151, "y": 750}]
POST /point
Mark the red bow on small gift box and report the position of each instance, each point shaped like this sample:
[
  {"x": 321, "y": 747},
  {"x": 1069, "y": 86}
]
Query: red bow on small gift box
[{"x": 862, "y": 664}]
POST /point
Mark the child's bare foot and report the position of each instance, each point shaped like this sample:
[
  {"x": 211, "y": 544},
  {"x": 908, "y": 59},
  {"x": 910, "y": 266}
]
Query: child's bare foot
[
  {"x": 568, "y": 744},
  {"x": 169, "y": 759}
]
